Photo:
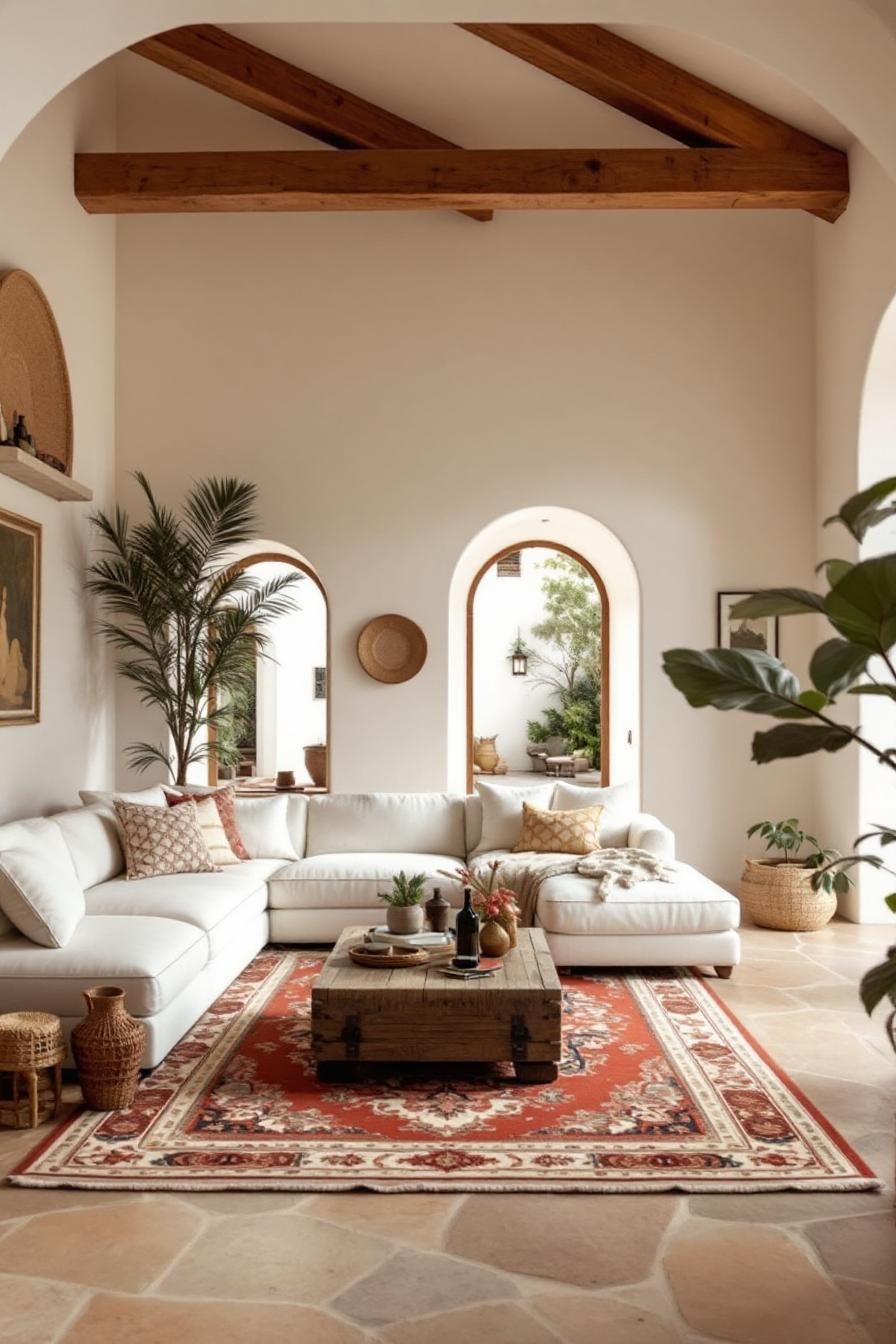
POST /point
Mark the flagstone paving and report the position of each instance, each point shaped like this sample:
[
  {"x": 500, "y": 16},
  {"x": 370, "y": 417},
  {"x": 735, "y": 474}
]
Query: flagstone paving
[{"x": 77, "y": 1267}]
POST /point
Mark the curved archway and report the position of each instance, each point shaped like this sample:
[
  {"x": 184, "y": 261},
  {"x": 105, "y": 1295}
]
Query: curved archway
[
  {"x": 609, "y": 563},
  {"x": 284, "y": 666},
  {"x": 551, "y": 546},
  {"x": 877, "y": 435}
]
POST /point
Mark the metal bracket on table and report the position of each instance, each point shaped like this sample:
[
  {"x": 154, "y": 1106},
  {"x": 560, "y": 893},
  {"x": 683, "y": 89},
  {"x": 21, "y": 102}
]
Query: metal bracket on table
[
  {"x": 519, "y": 1038},
  {"x": 351, "y": 1036}
]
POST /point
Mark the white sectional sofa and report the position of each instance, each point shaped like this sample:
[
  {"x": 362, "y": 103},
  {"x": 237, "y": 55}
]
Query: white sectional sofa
[{"x": 175, "y": 943}]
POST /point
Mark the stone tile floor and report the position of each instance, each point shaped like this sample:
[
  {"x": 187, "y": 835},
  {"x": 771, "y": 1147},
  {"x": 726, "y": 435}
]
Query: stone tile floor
[{"x": 510, "y": 1269}]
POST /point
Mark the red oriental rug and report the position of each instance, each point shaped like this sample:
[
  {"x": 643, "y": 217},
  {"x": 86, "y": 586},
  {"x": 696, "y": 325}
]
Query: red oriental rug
[{"x": 659, "y": 1089}]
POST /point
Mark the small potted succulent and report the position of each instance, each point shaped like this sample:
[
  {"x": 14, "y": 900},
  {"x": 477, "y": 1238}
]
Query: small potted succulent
[
  {"x": 797, "y": 892},
  {"x": 405, "y": 913}
]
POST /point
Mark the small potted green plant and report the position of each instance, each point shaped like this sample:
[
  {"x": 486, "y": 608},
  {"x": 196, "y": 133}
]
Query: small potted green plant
[
  {"x": 794, "y": 891},
  {"x": 405, "y": 913}
]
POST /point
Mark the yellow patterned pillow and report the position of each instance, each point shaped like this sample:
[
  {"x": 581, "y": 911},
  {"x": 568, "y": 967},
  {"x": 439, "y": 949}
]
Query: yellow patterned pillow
[{"x": 560, "y": 832}]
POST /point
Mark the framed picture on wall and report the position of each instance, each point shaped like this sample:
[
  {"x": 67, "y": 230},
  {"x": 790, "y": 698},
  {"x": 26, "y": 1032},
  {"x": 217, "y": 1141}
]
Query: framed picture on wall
[
  {"x": 19, "y": 620},
  {"x": 740, "y": 632},
  {"x": 320, "y": 683}
]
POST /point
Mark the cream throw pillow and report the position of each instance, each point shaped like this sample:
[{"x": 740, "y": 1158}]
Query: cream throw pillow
[
  {"x": 213, "y": 832},
  {"x": 560, "y": 832},
  {"x": 162, "y": 840},
  {"x": 502, "y": 812},
  {"x": 40, "y": 893}
]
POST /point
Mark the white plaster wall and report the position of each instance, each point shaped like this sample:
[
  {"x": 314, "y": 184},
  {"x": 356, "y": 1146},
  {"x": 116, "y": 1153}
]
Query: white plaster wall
[
  {"x": 393, "y": 383},
  {"x": 504, "y": 703},
  {"x": 856, "y": 284},
  {"x": 43, "y": 230}
]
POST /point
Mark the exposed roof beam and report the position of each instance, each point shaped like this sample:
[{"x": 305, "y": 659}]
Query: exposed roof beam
[
  {"x": 645, "y": 86},
  {"x": 459, "y": 179},
  {"x": 257, "y": 79}
]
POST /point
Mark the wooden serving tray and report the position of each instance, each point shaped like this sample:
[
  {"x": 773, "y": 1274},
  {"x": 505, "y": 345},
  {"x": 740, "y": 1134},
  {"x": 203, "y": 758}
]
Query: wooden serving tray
[{"x": 363, "y": 956}]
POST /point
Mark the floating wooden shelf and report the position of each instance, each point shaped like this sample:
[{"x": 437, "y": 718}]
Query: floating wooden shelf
[{"x": 31, "y": 471}]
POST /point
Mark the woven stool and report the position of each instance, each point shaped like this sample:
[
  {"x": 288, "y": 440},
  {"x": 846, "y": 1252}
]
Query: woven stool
[{"x": 30, "y": 1042}]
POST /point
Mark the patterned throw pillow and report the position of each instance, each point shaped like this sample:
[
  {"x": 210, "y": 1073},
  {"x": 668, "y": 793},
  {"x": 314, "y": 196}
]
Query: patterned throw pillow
[
  {"x": 560, "y": 832},
  {"x": 211, "y": 826},
  {"x": 161, "y": 840},
  {"x": 225, "y": 801}
]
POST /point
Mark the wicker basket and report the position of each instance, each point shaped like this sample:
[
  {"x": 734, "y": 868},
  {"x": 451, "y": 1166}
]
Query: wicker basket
[
  {"x": 108, "y": 1046},
  {"x": 779, "y": 895}
]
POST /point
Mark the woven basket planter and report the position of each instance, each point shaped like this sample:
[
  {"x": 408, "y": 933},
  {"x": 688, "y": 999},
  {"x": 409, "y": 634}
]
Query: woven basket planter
[{"x": 779, "y": 895}]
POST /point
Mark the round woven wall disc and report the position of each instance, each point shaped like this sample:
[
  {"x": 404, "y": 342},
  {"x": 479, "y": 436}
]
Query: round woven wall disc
[
  {"x": 33, "y": 374},
  {"x": 391, "y": 649}
]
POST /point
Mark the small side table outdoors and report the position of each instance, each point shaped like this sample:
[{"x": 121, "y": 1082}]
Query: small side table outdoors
[{"x": 30, "y": 1043}]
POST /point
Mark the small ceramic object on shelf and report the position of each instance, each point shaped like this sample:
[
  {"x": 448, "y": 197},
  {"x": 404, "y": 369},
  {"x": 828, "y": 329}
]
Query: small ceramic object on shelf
[
  {"x": 286, "y": 779},
  {"x": 108, "y": 1047},
  {"x": 437, "y": 910}
]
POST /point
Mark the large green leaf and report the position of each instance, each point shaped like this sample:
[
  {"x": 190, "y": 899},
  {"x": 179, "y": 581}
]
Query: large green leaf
[
  {"x": 863, "y": 511},
  {"x": 875, "y": 690},
  {"x": 798, "y": 739},
  {"x": 733, "y": 679},
  {"x": 836, "y": 664},
  {"x": 880, "y": 982},
  {"x": 834, "y": 570},
  {"x": 779, "y": 602},
  {"x": 862, "y": 606}
]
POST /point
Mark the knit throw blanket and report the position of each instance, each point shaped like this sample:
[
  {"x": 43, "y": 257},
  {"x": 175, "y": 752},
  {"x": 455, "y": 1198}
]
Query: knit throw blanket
[{"x": 615, "y": 871}]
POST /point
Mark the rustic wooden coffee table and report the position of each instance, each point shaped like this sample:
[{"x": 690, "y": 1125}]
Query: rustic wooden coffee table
[{"x": 418, "y": 1014}]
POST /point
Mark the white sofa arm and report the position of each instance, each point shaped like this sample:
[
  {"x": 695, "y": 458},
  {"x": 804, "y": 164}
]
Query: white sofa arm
[{"x": 647, "y": 832}]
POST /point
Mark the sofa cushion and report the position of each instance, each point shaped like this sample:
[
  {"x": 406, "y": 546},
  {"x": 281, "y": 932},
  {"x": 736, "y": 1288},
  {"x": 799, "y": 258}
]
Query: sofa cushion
[
  {"x": 619, "y": 802},
  {"x": 92, "y": 839},
  {"x": 548, "y": 832},
  {"x": 25, "y": 834},
  {"x": 211, "y": 824},
  {"x": 151, "y": 959},
  {"x": 502, "y": 812},
  {"x": 688, "y": 904},
  {"x": 352, "y": 881},
  {"x": 224, "y": 802},
  {"x": 205, "y": 900},
  {"x": 154, "y": 796},
  {"x": 264, "y": 827},
  {"x": 40, "y": 893},
  {"x": 383, "y": 823},
  {"x": 159, "y": 840}
]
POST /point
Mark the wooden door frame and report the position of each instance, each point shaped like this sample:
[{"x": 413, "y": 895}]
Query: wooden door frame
[
  {"x": 279, "y": 558},
  {"x": 604, "y": 646}
]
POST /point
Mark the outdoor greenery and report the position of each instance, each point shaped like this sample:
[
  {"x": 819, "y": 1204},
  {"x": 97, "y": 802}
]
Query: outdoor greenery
[
  {"x": 789, "y": 838},
  {"x": 860, "y": 606},
  {"x": 405, "y": 890},
  {"x": 568, "y": 659},
  {"x": 188, "y": 625}
]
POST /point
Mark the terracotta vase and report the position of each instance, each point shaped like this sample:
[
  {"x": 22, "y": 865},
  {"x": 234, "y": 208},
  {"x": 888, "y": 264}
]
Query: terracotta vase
[
  {"x": 108, "y": 1047},
  {"x": 404, "y": 919},
  {"x": 316, "y": 764},
  {"x": 494, "y": 940}
]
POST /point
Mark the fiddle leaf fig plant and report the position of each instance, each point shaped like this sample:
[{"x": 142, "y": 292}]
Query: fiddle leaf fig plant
[{"x": 857, "y": 660}]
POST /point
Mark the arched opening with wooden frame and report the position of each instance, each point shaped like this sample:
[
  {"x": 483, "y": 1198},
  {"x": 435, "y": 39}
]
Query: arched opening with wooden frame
[
  {"x": 292, "y": 686},
  {"x": 513, "y": 551}
]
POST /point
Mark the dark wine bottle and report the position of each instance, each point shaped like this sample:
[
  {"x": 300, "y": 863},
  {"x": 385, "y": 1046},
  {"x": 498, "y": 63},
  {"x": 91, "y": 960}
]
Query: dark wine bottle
[{"x": 467, "y": 932}]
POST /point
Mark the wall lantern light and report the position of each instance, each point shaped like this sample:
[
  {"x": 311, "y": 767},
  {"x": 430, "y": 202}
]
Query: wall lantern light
[{"x": 519, "y": 657}]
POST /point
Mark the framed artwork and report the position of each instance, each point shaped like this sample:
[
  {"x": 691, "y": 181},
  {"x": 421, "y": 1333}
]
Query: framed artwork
[
  {"x": 19, "y": 620},
  {"x": 740, "y": 632},
  {"x": 320, "y": 683}
]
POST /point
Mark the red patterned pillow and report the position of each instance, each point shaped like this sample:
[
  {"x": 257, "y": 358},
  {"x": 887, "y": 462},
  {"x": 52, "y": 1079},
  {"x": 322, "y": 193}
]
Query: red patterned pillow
[{"x": 225, "y": 801}]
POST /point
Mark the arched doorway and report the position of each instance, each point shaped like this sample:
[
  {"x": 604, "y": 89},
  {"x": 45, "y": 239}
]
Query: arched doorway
[
  {"x": 877, "y": 790},
  {"x": 567, "y": 531},
  {"x": 290, "y": 708},
  {"x": 572, "y": 674}
]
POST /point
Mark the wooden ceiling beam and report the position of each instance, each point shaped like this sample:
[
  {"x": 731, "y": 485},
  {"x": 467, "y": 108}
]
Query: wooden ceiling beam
[
  {"x": 646, "y": 87},
  {"x": 265, "y": 83},
  {"x": 459, "y": 179}
]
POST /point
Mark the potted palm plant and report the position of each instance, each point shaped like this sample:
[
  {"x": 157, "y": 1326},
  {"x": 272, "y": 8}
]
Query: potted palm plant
[
  {"x": 780, "y": 892},
  {"x": 188, "y": 624},
  {"x": 405, "y": 913}
]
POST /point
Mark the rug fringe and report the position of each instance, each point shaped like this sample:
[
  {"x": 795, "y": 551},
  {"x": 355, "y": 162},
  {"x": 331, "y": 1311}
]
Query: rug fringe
[{"x": 846, "y": 1186}]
